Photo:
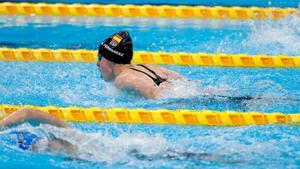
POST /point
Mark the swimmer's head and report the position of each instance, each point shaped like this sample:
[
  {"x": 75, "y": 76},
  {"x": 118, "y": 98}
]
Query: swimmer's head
[
  {"x": 26, "y": 140},
  {"x": 29, "y": 141},
  {"x": 116, "y": 49}
]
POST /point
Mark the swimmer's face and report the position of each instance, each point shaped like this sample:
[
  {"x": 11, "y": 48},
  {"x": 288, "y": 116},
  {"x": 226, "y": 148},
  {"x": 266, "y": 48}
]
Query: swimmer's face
[{"x": 105, "y": 69}]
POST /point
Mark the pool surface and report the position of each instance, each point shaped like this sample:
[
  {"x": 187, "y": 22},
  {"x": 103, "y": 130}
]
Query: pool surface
[
  {"x": 171, "y": 35},
  {"x": 145, "y": 146}
]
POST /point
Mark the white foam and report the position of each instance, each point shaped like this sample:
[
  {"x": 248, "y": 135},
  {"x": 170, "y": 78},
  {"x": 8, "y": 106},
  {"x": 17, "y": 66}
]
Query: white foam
[
  {"x": 99, "y": 147},
  {"x": 181, "y": 89},
  {"x": 219, "y": 144},
  {"x": 276, "y": 37},
  {"x": 188, "y": 88}
]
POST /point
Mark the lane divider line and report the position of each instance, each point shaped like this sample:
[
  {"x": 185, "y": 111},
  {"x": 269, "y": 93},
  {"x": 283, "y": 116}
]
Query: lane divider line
[
  {"x": 162, "y": 116},
  {"x": 143, "y": 57},
  {"x": 144, "y": 11}
]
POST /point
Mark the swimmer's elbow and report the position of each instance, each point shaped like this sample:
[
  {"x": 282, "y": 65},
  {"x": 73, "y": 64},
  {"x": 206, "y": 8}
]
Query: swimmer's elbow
[
  {"x": 151, "y": 94},
  {"x": 156, "y": 94},
  {"x": 25, "y": 112},
  {"x": 148, "y": 95}
]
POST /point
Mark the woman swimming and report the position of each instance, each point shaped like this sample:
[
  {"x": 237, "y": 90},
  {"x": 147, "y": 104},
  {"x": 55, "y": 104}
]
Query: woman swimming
[
  {"x": 29, "y": 141},
  {"x": 114, "y": 63}
]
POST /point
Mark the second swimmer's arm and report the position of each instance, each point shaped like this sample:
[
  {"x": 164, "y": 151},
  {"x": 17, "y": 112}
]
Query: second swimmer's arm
[{"x": 25, "y": 114}]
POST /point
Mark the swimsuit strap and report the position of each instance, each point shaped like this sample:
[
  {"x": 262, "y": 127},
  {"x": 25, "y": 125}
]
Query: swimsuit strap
[
  {"x": 158, "y": 80},
  {"x": 148, "y": 69}
]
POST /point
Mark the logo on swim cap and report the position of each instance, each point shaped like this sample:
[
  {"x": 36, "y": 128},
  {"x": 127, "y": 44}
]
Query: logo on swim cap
[
  {"x": 115, "y": 40},
  {"x": 114, "y": 51}
]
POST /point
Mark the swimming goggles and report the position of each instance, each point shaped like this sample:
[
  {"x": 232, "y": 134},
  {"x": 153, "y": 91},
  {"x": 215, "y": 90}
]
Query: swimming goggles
[{"x": 99, "y": 56}]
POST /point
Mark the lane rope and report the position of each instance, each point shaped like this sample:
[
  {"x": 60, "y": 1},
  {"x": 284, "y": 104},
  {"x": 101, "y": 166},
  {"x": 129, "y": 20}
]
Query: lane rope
[
  {"x": 144, "y": 11},
  {"x": 162, "y": 116},
  {"x": 143, "y": 57}
]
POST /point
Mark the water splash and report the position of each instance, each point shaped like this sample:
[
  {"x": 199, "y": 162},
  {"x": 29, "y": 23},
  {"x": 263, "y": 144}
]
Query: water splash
[
  {"x": 277, "y": 37},
  {"x": 167, "y": 145},
  {"x": 97, "y": 147}
]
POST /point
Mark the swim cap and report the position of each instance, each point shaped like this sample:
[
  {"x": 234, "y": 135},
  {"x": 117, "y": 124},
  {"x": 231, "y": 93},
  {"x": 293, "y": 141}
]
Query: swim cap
[
  {"x": 117, "y": 48},
  {"x": 26, "y": 139}
]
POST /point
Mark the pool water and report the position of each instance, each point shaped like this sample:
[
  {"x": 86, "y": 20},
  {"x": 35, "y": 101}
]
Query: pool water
[
  {"x": 271, "y": 37},
  {"x": 110, "y": 146},
  {"x": 69, "y": 84},
  {"x": 148, "y": 146}
]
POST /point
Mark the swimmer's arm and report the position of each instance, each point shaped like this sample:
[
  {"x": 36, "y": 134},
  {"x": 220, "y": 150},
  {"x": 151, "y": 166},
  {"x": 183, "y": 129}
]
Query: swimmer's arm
[
  {"x": 147, "y": 90},
  {"x": 25, "y": 114}
]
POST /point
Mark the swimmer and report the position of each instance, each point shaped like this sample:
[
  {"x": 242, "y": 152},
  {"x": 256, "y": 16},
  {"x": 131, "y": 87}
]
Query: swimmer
[
  {"x": 32, "y": 142},
  {"x": 28, "y": 141},
  {"x": 114, "y": 63}
]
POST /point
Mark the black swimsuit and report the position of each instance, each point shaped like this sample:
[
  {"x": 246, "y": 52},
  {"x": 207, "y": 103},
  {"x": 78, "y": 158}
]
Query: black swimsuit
[{"x": 157, "y": 80}]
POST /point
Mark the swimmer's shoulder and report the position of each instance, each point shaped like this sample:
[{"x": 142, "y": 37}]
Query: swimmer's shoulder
[
  {"x": 124, "y": 79},
  {"x": 131, "y": 79},
  {"x": 129, "y": 73}
]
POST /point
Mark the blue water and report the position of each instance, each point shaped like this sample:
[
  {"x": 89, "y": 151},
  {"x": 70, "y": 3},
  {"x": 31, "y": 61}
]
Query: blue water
[
  {"x": 109, "y": 145},
  {"x": 67, "y": 84},
  {"x": 171, "y": 35},
  {"x": 246, "y": 3}
]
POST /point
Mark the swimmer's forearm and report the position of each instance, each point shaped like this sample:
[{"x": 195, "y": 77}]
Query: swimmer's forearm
[
  {"x": 13, "y": 118},
  {"x": 44, "y": 117},
  {"x": 25, "y": 114}
]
